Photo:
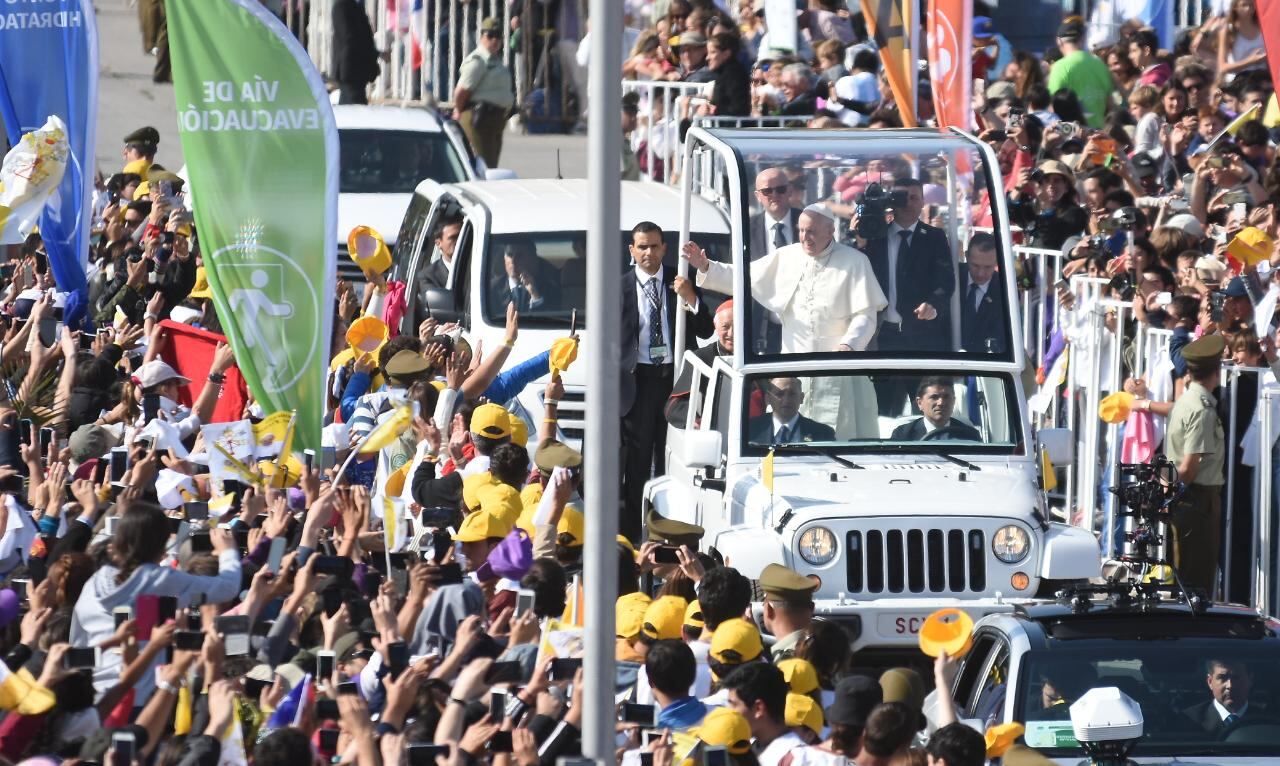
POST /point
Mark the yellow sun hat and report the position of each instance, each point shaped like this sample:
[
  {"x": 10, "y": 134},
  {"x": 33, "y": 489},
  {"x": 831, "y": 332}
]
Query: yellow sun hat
[
  {"x": 369, "y": 251},
  {"x": 1115, "y": 408},
  {"x": 946, "y": 630},
  {"x": 367, "y": 335}
]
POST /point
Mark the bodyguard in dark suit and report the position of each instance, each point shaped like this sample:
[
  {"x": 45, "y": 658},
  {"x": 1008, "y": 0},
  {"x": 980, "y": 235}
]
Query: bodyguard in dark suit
[
  {"x": 784, "y": 424},
  {"x": 936, "y": 400},
  {"x": 446, "y": 241},
  {"x": 775, "y": 226},
  {"x": 982, "y": 300},
  {"x": 914, "y": 267},
  {"x": 649, "y": 306},
  {"x": 1230, "y": 683},
  {"x": 355, "y": 55}
]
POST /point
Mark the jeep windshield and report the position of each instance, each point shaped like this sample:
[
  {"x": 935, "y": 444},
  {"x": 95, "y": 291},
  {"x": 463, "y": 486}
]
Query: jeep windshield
[
  {"x": 545, "y": 272},
  {"x": 1179, "y": 685},
  {"x": 883, "y": 411},
  {"x": 850, "y": 277},
  {"x": 395, "y": 161}
]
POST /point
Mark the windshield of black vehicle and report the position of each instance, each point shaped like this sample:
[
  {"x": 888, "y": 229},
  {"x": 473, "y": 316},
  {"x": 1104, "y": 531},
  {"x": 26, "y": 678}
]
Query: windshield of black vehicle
[
  {"x": 395, "y": 161},
  {"x": 1198, "y": 697},
  {"x": 545, "y": 273},
  {"x": 887, "y": 261},
  {"x": 919, "y": 412}
]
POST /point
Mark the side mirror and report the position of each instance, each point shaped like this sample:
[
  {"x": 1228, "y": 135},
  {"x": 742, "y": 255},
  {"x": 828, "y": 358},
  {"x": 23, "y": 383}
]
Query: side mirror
[
  {"x": 438, "y": 303},
  {"x": 702, "y": 449},
  {"x": 1059, "y": 443}
]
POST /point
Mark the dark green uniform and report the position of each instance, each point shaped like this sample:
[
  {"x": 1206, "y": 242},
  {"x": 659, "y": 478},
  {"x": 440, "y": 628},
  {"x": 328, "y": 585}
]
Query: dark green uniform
[{"x": 489, "y": 83}]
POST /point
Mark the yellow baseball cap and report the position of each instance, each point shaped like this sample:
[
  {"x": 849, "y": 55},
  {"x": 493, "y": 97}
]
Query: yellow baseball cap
[
  {"x": 629, "y": 613},
  {"x": 491, "y": 420},
  {"x": 201, "y": 289},
  {"x": 480, "y": 526},
  {"x": 571, "y": 531},
  {"x": 471, "y": 487},
  {"x": 519, "y": 431},
  {"x": 1000, "y": 737},
  {"x": 663, "y": 619},
  {"x": 369, "y": 250},
  {"x": 1115, "y": 408},
  {"x": 1250, "y": 246},
  {"x": 736, "y": 641},
  {"x": 949, "y": 630},
  {"x": 803, "y": 711},
  {"x": 563, "y": 353},
  {"x": 502, "y": 500},
  {"x": 801, "y": 676},
  {"x": 693, "y": 616},
  {"x": 367, "y": 334},
  {"x": 281, "y": 476},
  {"x": 727, "y": 728}
]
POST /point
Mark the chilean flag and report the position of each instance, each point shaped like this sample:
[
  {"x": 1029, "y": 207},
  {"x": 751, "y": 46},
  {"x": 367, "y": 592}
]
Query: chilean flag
[{"x": 294, "y": 706}]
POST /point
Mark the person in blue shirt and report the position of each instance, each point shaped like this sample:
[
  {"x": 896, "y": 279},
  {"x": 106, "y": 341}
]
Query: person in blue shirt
[{"x": 670, "y": 668}]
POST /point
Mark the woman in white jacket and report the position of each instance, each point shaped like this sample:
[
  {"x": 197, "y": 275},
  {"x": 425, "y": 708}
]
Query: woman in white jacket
[{"x": 136, "y": 549}]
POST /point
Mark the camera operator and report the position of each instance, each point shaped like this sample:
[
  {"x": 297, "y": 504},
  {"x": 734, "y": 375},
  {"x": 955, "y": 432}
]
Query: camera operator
[{"x": 1195, "y": 444}]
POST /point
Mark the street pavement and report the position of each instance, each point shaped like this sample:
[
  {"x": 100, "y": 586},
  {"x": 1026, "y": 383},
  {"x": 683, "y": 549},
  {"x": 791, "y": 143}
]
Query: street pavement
[{"x": 128, "y": 99}]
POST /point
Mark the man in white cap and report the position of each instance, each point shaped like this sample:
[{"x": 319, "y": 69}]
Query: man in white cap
[
  {"x": 825, "y": 292},
  {"x": 159, "y": 379},
  {"x": 827, "y": 296}
]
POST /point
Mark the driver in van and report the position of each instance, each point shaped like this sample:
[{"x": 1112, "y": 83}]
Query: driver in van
[
  {"x": 446, "y": 242},
  {"x": 936, "y": 400},
  {"x": 529, "y": 282}
]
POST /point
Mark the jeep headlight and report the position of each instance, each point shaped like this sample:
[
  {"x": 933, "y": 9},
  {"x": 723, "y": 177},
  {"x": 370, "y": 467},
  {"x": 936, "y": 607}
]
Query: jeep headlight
[
  {"x": 1011, "y": 544},
  {"x": 817, "y": 546}
]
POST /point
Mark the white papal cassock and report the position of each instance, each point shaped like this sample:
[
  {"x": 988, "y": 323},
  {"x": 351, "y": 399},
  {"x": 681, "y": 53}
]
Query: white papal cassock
[{"x": 824, "y": 301}]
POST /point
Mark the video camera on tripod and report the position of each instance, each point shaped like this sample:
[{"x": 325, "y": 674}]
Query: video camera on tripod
[{"x": 1146, "y": 494}]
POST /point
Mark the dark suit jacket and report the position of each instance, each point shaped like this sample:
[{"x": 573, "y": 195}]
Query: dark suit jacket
[
  {"x": 697, "y": 325},
  {"x": 915, "y": 431},
  {"x": 678, "y": 405},
  {"x": 355, "y": 56},
  {"x": 760, "y": 236},
  {"x": 987, "y": 323},
  {"x": 732, "y": 94},
  {"x": 1206, "y": 718},
  {"x": 438, "y": 273},
  {"x": 545, "y": 276},
  {"x": 925, "y": 275},
  {"x": 807, "y": 430}
]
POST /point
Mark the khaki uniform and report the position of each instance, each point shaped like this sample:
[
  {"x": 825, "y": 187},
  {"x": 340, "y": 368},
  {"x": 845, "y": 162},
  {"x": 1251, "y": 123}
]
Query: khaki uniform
[
  {"x": 1195, "y": 428},
  {"x": 786, "y": 646},
  {"x": 489, "y": 82}
]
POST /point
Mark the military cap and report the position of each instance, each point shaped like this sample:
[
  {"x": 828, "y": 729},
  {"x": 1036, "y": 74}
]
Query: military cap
[
  {"x": 672, "y": 532},
  {"x": 158, "y": 174},
  {"x": 552, "y": 453},
  {"x": 491, "y": 25},
  {"x": 407, "y": 365},
  {"x": 147, "y": 135},
  {"x": 1204, "y": 352},
  {"x": 345, "y": 645},
  {"x": 786, "y": 585}
]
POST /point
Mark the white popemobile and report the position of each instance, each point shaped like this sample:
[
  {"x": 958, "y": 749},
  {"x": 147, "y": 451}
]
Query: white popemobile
[{"x": 904, "y": 475}]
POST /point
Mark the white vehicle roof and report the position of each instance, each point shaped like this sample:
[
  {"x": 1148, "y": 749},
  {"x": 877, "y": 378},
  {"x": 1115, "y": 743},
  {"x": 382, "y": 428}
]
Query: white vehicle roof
[
  {"x": 550, "y": 204},
  {"x": 386, "y": 117}
]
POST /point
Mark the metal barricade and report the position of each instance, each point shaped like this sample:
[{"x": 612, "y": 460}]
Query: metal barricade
[
  {"x": 663, "y": 106},
  {"x": 1048, "y": 270},
  {"x": 1263, "y": 580},
  {"x": 1231, "y": 382}
]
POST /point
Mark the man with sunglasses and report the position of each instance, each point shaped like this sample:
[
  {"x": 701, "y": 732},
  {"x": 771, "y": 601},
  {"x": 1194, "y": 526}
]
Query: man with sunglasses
[{"x": 774, "y": 227}]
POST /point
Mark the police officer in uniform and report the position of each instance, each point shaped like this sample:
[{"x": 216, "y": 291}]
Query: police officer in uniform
[
  {"x": 484, "y": 95},
  {"x": 141, "y": 144},
  {"x": 788, "y": 607},
  {"x": 1196, "y": 446}
]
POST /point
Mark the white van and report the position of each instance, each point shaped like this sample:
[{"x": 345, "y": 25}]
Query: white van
[{"x": 549, "y": 216}]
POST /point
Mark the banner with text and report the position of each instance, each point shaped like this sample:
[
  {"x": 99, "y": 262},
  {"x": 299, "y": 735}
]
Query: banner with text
[
  {"x": 262, "y": 150},
  {"x": 49, "y": 67},
  {"x": 1269, "y": 21},
  {"x": 889, "y": 22},
  {"x": 950, "y": 53}
]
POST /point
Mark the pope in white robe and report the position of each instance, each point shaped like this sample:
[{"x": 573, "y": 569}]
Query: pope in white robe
[{"x": 827, "y": 297}]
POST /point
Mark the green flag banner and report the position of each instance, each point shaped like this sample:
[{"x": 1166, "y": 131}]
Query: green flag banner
[{"x": 262, "y": 152}]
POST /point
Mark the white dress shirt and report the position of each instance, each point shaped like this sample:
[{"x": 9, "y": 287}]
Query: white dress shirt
[
  {"x": 1223, "y": 712},
  {"x": 642, "y": 306},
  {"x": 893, "y": 244},
  {"x": 790, "y": 426}
]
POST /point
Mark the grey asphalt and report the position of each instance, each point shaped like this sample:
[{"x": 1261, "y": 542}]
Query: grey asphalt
[{"x": 128, "y": 99}]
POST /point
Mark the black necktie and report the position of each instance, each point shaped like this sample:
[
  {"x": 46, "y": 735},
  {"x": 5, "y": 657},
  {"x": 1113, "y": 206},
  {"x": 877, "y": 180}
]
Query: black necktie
[
  {"x": 518, "y": 297},
  {"x": 782, "y": 435},
  {"x": 655, "y": 317},
  {"x": 779, "y": 236},
  {"x": 973, "y": 297},
  {"x": 906, "y": 242}
]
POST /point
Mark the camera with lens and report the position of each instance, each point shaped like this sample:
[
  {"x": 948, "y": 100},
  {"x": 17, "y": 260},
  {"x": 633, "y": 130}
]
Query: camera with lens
[
  {"x": 872, "y": 209},
  {"x": 1146, "y": 493}
]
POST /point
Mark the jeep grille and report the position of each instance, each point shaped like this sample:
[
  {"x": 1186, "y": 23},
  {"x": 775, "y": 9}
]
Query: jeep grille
[{"x": 916, "y": 561}]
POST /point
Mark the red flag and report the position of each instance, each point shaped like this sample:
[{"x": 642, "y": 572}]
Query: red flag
[
  {"x": 1269, "y": 21},
  {"x": 190, "y": 351},
  {"x": 950, "y": 51},
  {"x": 889, "y": 22}
]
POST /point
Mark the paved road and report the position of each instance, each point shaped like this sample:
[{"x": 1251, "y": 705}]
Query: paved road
[{"x": 129, "y": 99}]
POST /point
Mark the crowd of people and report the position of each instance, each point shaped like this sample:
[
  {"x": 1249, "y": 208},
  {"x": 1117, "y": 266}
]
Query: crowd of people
[{"x": 173, "y": 596}]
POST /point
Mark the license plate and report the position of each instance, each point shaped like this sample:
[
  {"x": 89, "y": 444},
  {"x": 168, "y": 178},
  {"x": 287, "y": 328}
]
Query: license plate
[{"x": 900, "y": 624}]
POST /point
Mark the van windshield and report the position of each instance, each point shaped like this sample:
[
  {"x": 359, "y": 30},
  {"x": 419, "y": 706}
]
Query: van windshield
[
  {"x": 545, "y": 272},
  {"x": 875, "y": 410},
  {"x": 395, "y": 161}
]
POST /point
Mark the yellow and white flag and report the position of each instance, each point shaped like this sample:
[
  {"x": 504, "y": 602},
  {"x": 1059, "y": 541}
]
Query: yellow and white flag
[{"x": 29, "y": 176}]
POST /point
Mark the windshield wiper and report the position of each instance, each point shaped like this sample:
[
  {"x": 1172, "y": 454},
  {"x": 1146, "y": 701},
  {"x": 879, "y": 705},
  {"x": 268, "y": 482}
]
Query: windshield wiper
[
  {"x": 958, "y": 461},
  {"x": 814, "y": 450}
]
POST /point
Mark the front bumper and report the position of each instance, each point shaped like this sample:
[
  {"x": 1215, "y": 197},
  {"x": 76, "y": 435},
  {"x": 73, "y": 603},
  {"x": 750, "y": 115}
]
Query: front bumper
[{"x": 895, "y": 623}]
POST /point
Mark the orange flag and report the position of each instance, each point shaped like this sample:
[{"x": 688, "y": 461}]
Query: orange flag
[
  {"x": 889, "y": 22},
  {"x": 950, "y": 24}
]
